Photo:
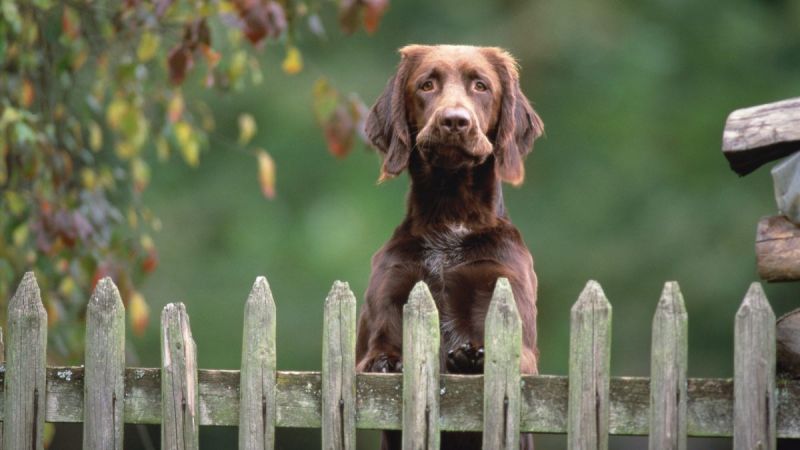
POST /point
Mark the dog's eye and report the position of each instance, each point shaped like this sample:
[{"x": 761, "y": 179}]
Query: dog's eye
[
  {"x": 427, "y": 86},
  {"x": 480, "y": 86}
]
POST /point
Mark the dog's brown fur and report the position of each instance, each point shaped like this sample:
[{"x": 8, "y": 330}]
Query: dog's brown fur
[{"x": 456, "y": 119}]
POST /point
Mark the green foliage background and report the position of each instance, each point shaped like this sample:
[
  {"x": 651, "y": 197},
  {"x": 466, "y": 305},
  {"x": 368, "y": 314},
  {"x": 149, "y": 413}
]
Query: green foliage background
[{"x": 629, "y": 186}]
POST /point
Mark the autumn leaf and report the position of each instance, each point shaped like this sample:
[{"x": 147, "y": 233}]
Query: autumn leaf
[
  {"x": 95, "y": 136},
  {"x": 148, "y": 46},
  {"x": 247, "y": 128},
  {"x": 179, "y": 61},
  {"x": 339, "y": 131},
  {"x": 261, "y": 20},
  {"x": 266, "y": 174},
  {"x": 140, "y": 172},
  {"x": 348, "y": 15},
  {"x": 175, "y": 108},
  {"x": 28, "y": 93},
  {"x": 373, "y": 11},
  {"x": 293, "y": 63},
  {"x": 70, "y": 23},
  {"x": 189, "y": 147},
  {"x": 139, "y": 313}
]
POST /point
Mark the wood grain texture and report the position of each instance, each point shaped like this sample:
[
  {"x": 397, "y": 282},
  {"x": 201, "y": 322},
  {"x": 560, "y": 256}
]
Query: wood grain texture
[
  {"x": 787, "y": 340},
  {"x": 257, "y": 394},
  {"x": 668, "y": 366},
  {"x": 379, "y": 401},
  {"x": 778, "y": 249},
  {"x": 179, "y": 393},
  {"x": 23, "y": 419},
  {"x": 501, "y": 386},
  {"x": 754, "y": 373},
  {"x": 420, "y": 371},
  {"x": 338, "y": 369},
  {"x": 589, "y": 365},
  {"x": 104, "y": 386},
  {"x": 760, "y": 134}
]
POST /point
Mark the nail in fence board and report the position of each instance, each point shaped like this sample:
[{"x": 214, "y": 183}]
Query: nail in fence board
[
  {"x": 257, "y": 394},
  {"x": 668, "y": 367},
  {"x": 104, "y": 385},
  {"x": 420, "y": 371},
  {"x": 338, "y": 369}
]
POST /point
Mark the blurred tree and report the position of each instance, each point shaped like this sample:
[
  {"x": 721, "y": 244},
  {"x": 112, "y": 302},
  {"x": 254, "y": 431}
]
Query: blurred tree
[{"x": 90, "y": 90}]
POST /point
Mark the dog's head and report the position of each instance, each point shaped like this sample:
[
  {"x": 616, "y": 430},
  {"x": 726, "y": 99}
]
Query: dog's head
[{"x": 456, "y": 105}]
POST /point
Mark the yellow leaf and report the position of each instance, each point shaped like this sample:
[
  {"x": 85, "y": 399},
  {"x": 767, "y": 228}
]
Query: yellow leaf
[
  {"x": 238, "y": 66},
  {"x": 148, "y": 46},
  {"x": 139, "y": 313},
  {"x": 293, "y": 63},
  {"x": 88, "y": 178},
  {"x": 190, "y": 148},
  {"x": 247, "y": 128},
  {"x": 175, "y": 108},
  {"x": 266, "y": 174},
  {"x": 20, "y": 235},
  {"x": 133, "y": 218},
  {"x": 95, "y": 136},
  {"x": 140, "y": 172},
  {"x": 115, "y": 112},
  {"x": 66, "y": 287}
]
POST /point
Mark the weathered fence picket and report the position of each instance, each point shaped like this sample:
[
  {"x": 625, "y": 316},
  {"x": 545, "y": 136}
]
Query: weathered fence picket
[
  {"x": 589, "y": 365},
  {"x": 257, "y": 379},
  {"x": 339, "y": 369},
  {"x": 420, "y": 371},
  {"x": 24, "y": 415},
  {"x": 587, "y": 405},
  {"x": 754, "y": 373},
  {"x": 668, "y": 365},
  {"x": 104, "y": 382},
  {"x": 179, "y": 393},
  {"x": 501, "y": 380}
]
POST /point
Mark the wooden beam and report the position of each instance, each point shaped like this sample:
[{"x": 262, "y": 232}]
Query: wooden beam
[
  {"x": 757, "y": 135},
  {"x": 778, "y": 249},
  {"x": 543, "y": 406}
]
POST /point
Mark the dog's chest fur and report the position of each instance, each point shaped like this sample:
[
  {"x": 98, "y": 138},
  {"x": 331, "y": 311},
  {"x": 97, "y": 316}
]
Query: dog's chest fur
[{"x": 444, "y": 248}]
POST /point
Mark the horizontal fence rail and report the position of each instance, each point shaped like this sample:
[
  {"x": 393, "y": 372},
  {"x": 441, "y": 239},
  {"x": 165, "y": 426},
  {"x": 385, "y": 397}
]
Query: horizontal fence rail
[{"x": 754, "y": 407}]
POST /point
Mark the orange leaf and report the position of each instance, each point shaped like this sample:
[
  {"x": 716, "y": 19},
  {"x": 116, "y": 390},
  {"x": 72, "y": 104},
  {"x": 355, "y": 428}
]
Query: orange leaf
[
  {"x": 139, "y": 313},
  {"x": 266, "y": 174},
  {"x": 28, "y": 94},
  {"x": 373, "y": 11}
]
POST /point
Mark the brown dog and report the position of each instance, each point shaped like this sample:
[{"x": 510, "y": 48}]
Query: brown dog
[{"x": 455, "y": 117}]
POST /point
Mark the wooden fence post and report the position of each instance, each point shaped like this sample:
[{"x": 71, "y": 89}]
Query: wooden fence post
[
  {"x": 501, "y": 383},
  {"x": 25, "y": 368},
  {"x": 668, "y": 364},
  {"x": 179, "y": 395},
  {"x": 339, "y": 369},
  {"x": 589, "y": 364},
  {"x": 257, "y": 377},
  {"x": 420, "y": 371},
  {"x": 104, "y": 382},
  {"x": 754, "y": 373}
]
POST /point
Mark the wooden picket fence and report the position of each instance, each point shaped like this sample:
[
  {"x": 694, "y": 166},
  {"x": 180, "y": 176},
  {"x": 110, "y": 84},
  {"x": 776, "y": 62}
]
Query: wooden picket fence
[{"x": 588, "y": 405}]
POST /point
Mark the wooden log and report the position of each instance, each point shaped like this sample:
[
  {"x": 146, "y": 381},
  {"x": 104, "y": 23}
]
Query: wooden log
[
  {"x": 589, "y": 365},
  {"x": 757, "y": 135},
  {"x": 104, "y": 388},
  {"x": 256, "y": 418},
  {"x": 501, "y": 396},
  {"x": 787, "y": 348},
  {"x": 754, "y": 373},
  {"x": 179, "y": 393},
  {"x": 339, "y": 369},
  {"x": 379, "y": 401},
  {"x": 420, "y": 371},
  {"x": 668, "y": 365},
  {"x": 778, "y": 249},
  {"x": 23, "y": 421}
]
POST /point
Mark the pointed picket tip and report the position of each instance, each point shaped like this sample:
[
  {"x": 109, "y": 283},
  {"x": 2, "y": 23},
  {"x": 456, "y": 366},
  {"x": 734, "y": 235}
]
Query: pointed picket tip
[
  {"x": 27, "y": 294},
  {"x": 754, "y": 300},
  {"x": 503, "y": 294},
  {"x": 340, "y": 291},
  {"x": 106, "y": 295},
  {"x": 592, "y": 297},
  {"x": 671, "y": 302},
  {"x": 173, "y": 309},
  {"x": 421, "y": 298},
  {"x": 260, "y": 292}
]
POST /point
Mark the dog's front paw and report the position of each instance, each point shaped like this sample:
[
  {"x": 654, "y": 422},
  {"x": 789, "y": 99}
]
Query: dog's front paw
[
  {"x": 386, "y": 363},
  {"x": 467, "y": 359}
]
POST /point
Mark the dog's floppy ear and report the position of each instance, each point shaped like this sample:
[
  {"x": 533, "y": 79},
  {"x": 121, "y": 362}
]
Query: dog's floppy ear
[
  {"x": 517, "y": 125},
  {"x": 387, "y": 123}
]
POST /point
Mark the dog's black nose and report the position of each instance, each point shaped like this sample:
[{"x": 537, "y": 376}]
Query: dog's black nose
[{"x": 454, "y": 120}]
